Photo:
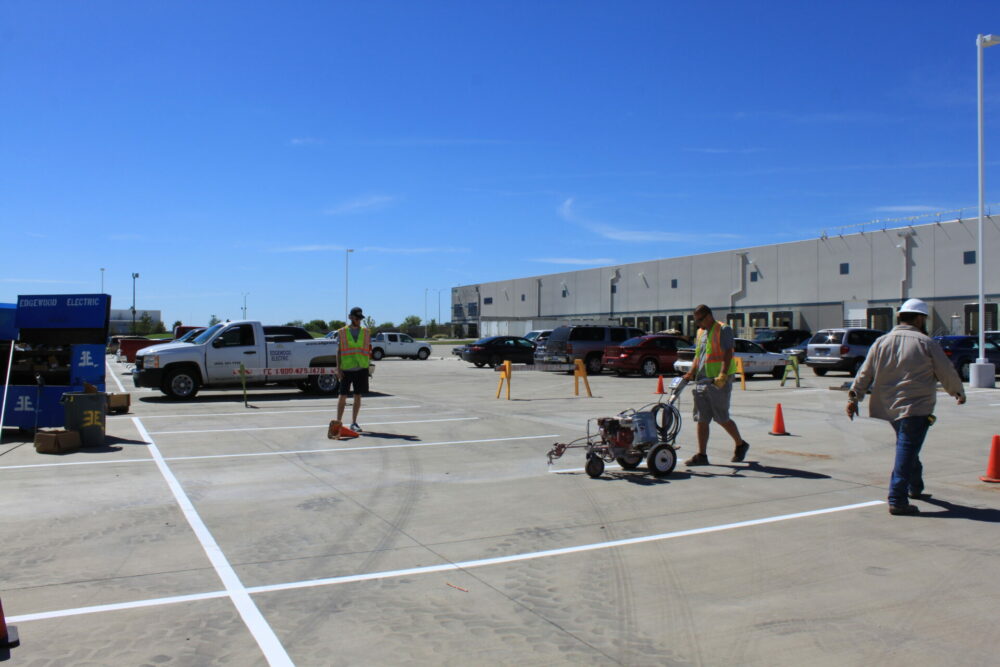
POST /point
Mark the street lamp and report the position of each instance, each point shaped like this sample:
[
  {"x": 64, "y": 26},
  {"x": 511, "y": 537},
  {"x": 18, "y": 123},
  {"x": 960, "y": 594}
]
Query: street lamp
[
  {"x": 134, "y": 276},
  {"x": 245, "y": 295},
  {"x": 102, "y": 280},
  {"x": 426, "y": 290},
  {"x": 981, "y": 373},
  {"x": 347, "y": 251}
]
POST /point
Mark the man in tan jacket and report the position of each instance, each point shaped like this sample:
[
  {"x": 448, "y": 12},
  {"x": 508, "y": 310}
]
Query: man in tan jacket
[{"x": 902, "y": 370}]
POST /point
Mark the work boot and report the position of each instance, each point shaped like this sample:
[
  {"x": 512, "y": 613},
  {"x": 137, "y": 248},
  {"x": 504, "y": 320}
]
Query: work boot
[
  {"x": 698, "y": 460},
  {"x": 903, "y": 510},
  {"x": 740, "y": 452}
]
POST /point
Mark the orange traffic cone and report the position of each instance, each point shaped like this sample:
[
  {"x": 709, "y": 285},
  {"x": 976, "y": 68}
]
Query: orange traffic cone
[
  {"x": 659, "y": 386},
  {"x": 8, "y": 633},
  {"x": 779, "y": 422},
  {"x": 993, "y": 466},
  {"x": 337, "y": 430},
  {"x": 348, "y": 433}
]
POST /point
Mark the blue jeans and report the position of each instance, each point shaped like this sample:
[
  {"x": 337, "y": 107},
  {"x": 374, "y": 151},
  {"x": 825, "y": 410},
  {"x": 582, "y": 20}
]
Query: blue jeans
[{"x": 907, "y": 474}]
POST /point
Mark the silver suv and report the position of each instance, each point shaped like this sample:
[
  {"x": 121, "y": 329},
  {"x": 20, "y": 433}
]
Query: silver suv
[
  {"x": 839, "y": 349},
  {"x": 587, "y": 342}
]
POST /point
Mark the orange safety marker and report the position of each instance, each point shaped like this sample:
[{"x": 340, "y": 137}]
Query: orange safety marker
[
  {"x": 779, "y": 422},
  {"x": 659, "y": 386},
  {"x": 505, "y": 374},
  {"x": 993, "y": 466},
  {"x": 337, "y": 430},
  {"x": 580, "y": 371},
  {"x": 8, "y": 633}
]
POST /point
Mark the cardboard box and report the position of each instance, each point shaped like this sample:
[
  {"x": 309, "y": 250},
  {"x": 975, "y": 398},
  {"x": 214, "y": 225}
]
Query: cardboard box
[
  {"x": 56, "y": 442},
  {"x": 119, "y": 403}
]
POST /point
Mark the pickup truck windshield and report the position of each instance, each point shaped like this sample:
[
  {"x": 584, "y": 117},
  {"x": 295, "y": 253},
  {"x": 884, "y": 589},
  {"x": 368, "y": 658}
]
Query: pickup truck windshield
[{"x": 207, "y": 334}]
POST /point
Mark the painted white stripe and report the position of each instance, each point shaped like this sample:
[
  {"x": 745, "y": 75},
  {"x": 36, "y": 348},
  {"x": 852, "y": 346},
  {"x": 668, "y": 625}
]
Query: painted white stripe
[
  {"x": 607, "y": 466},
  {"x": 258, "y": 626},
  {"x": 254, "y": 413},
  {"x": 283, "y": 452},
  {"x": 443, "y": 567},
  {"x": 118, "y": 382},
  {"x": 282, "y": 428}
]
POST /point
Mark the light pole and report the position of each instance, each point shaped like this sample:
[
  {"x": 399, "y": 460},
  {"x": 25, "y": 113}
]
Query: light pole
[
  {"x": 426, "y": 290},
  {"x": 439, "y": 303},
  {"x": 102, "y": 280},
  {"x": 134, "y": 276},
  {"x": 347, "y": 255},
  {"x": 245, "y": 295},
  {"x": 981, "y": 373}
]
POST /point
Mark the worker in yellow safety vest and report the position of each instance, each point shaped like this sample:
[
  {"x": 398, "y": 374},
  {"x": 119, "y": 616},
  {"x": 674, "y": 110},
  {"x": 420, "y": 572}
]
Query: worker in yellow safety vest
[
  {"x": 353, "y": 354},
  {"x": 711, "y": 373}
]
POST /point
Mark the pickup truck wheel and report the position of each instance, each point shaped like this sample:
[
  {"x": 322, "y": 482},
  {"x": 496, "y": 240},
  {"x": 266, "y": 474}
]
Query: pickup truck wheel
[
  {"x": 819, "y": 371},
  {"x": 423, "y": 353},
  {"x": 778, "y": 372},
  {"x": 180, "y": 383},
  {"x": 594, "y": 365},
  {"x": 324, "y": 384},
  {"x": 377, "y": 353}
]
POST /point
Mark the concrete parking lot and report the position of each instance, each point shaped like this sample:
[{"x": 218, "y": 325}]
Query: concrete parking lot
[{"x": 207, "y": 532}]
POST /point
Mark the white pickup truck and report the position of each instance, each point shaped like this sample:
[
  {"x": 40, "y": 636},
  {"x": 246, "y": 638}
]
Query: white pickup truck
[
  {"x": 213, "y": 359},
  {"x": 391, "y": 344}
]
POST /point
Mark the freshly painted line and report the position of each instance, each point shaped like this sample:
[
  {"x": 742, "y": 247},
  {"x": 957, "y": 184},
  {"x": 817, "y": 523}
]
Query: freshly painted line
[
  {"x": 283, "y": 452},
  {"x": 608, "y": 466},
  {"x": 283, "y": 428},
  {"x": 254, "y": 413},
  {"x": 443, "y": 567},
  {"x": 500, "y": 560},
  {"x": 137, "y": 604},
  {"x": 361, "y": 449},
  {"x": 114, "y": 377},
  {"x": 258, "y": 626}
]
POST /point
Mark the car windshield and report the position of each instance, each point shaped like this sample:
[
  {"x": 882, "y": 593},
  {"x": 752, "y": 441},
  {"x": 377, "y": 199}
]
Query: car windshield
[
  {"x": 189, "y": 336},
  {"x": 532, "y": 335},
  {"x": 765, "y": 336},
  {"x": 633, "y": 342},
  {"x": 831, "y": 337},
  {"x": 205, "y": 335}
]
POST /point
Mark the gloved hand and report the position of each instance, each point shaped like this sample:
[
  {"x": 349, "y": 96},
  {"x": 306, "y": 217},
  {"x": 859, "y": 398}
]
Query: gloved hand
[{"x": 720, "y": 380}]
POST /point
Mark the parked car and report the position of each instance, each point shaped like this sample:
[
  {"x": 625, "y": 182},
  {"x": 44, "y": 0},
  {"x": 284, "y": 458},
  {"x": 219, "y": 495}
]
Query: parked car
[
  {"x": 647, "y": 355},
  {"x": 776, "y": 340},
  {"x": 798, "y": 351},
  {"x": 964, "y": 350},
  {"x": 842, "y": 349},
  {"x": 583, "y": 341},
  {"x": 494, "y": 350},
  {"x": 394, "y": 344},
  {"x": 755, "y": 359},
  {"x": 538, "y": 335}
]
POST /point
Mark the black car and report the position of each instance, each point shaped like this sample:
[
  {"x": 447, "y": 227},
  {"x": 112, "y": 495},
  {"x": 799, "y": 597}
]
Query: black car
[
  {"x": 494, "y": 350},
  {"x": 776, "y": 340},
  {"x": 964, "y": 350}
]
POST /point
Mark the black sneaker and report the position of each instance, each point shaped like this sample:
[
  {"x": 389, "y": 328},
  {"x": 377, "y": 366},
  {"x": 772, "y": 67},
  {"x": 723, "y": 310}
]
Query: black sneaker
[
  {"x": 698, "y": 460},
  {"x": 740, "y": 452},
  {"x": 919, "y": 496},
  {"x": 902, "y": 510}
]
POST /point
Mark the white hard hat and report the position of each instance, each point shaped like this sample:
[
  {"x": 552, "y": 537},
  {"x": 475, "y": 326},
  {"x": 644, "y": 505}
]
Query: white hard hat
[{"x": 914, "y": 306}]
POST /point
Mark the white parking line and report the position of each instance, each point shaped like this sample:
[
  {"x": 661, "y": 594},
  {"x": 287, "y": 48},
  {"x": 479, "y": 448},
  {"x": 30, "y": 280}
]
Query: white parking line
[
  {"x": 331, "y": 450},
  {"x": 444, "y": 567},
  {"x": 255, "y": 622},
  {"x": 254, "y": 413},
  {"x": 281, "y": 428}
]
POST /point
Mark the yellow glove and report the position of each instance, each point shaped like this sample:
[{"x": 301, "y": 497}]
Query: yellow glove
[{"x": 720, "y": 380}]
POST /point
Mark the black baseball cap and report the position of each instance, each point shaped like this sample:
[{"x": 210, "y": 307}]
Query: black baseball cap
[{"x": 356, "y": 312}]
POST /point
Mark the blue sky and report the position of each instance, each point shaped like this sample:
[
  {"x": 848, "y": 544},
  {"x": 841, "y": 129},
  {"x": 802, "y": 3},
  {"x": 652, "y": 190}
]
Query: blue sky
[{"x": 223, "y": 148}]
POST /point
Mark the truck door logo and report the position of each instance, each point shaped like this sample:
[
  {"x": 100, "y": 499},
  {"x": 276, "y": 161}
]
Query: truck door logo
[
  {"x": 24, "y": 404},
  {"x": 86, "y": 359}
]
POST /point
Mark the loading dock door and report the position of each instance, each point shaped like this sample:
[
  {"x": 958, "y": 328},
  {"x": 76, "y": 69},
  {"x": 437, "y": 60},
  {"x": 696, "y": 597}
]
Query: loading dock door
[
  {"x": 972, "y": 318},
  {"x": 880, "y": 318}
]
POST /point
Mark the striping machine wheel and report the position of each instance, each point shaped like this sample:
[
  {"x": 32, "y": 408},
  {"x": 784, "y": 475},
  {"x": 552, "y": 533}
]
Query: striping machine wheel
[
  {"x": 661, "y": 460},
  {"x": 595, "y": 465}
]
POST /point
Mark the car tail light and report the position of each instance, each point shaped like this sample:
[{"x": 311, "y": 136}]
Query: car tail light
[
  {"x": 844, "y": 350},
  {"x": 476, "y": 348},
  {"x": 948, "y": 352}
]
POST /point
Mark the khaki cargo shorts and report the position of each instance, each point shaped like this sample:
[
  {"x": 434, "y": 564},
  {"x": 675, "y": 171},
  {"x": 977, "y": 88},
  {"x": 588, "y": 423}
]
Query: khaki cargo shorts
[{"x": 711, "y": 402}]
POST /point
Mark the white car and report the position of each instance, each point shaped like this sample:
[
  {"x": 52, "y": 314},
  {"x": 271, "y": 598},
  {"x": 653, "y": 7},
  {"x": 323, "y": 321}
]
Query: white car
[
  {"x": 755, "y": 359},
  {"x": 392, "y": 344}
]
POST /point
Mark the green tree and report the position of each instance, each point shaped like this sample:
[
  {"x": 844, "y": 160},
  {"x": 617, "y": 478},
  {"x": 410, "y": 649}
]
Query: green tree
[
  {"x": 144, "y": 325},
  {"x": 385, "y": 326},
  {"x": 336, "y": 324},
  {"x": 370, "y": 323},
  {"x": 213, "y": 320},
  {"x": 295, "y": 323},
  {"x": 316, "y": 325},
  {"x": 410, "y": 321},
  {"x": 159, "y": 328},
  {"x": 178, "y": 323}
]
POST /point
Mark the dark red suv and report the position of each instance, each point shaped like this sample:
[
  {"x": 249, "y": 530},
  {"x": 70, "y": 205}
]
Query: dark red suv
[{"x": 647, "y": 355}]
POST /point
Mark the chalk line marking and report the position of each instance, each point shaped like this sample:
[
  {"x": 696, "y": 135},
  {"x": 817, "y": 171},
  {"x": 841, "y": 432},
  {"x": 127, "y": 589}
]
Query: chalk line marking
[
  {"x": 443, "y": 567},
  {"x": 254, "y": 620},
  {"x": 325, "y": 450},
  {"x": 254, "y": 413},
  {"x": 282, "y": 428}
]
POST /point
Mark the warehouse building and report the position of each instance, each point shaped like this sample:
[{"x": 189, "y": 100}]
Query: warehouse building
[{"x": 856, "y": 279}]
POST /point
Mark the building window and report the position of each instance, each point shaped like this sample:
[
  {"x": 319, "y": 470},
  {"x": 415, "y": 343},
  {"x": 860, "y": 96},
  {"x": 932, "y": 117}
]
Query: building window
[
  {"x": 673, "y": 283},
  {"x": 614, "y": 289},
  {"x": 565, "y": 292},
  {"x": 969, "y": 257},
  {"x": 845, "y": 268},
  {"x": 522, "y": 297},
  {"x": 487, "y": 301},
  {"x": 753, "y": 276}
]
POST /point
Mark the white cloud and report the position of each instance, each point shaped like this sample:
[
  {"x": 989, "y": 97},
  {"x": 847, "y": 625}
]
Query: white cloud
[
  {"x": 309, "y": 248},
  {"x": 576, "y": 261},
  {"x": 567, "y": 213},
  {"x": 411, "y": 251},
  {"x": 360, "y": 204},
  {"x": 304, "y": 141}
]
